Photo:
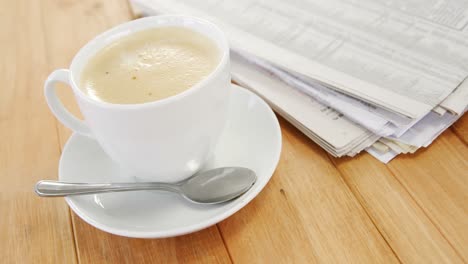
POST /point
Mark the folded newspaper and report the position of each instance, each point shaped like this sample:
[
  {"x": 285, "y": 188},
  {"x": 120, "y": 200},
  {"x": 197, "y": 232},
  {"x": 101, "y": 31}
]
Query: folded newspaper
[{"x": 387, "y": 77}]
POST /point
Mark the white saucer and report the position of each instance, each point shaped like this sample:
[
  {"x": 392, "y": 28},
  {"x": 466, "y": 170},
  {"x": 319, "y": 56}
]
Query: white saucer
[{"x": 252, "y": 139}]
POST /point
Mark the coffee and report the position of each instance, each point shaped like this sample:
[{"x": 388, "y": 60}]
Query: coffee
[{"x": 149, "y": 65}]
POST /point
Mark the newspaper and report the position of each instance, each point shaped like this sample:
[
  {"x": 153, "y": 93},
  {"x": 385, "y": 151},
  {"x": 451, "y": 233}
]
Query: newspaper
[
  {"x": 322, "y": 124},
  {"x": 406, "y": 139},
  {"x": 421, "y": 135},
  {"x": 428, "y": 129},
  {"x": 385, "y": 157},
  {"x": 458, "y": 100},
  {"x": 439, "y": 109},
  {"x": 376, "y": 51},
  {"x": 398, "y": 147},
  {"x": 359, "y": 111},
  {"x": 375, "y": 119},
  {"x": 327, "y": 127}
]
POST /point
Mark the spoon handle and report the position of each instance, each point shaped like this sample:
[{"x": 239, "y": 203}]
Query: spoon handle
[{"x": 58, "y": 189}]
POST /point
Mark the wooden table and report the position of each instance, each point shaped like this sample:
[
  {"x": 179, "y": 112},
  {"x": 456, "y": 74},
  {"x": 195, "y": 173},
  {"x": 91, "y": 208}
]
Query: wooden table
[{"x": 315, "y": 209}]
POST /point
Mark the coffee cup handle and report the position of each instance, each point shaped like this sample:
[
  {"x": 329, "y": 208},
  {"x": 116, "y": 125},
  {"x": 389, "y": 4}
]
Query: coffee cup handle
[{"x": 56, "y": 106}]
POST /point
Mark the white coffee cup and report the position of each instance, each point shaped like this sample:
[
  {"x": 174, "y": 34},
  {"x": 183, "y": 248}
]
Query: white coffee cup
[{"x": 165, "y": 140}]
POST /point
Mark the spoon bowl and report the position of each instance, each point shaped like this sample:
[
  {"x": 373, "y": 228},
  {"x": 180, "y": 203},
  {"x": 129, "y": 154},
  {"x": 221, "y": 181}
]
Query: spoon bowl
[{"x": 221, "y": 184}]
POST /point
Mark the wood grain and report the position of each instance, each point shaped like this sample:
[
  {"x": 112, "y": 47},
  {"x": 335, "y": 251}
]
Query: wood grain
[
  {"x": 461, "y": 129},
  {"x": 437, "y": 179},
  {"x": 305, "y": 214},
  {"x": 32, "y": 230},
  {"x": 95, "y": 246},
  {"x": 400, "y": 220},
  {"x": 84, "y": 20}
]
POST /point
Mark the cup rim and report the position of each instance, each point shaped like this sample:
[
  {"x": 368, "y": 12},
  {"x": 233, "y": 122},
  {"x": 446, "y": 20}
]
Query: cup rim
[{"x": 119, "y": 28}]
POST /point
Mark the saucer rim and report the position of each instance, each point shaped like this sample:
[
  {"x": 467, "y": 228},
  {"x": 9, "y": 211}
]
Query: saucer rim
[{"x": 177, "y": 231}]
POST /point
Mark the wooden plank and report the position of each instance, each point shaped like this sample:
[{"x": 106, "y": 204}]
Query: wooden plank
[
  {"x": 95, "y": 246},
  {"x": 406, "y": 227},
  {"x": 305, "y": 214},
  {"x": 437, "y": 179},
  {"x": 69, "y": 26},
  {"x": 461, "y": 129},
  {"x": 32, "y": 230}
]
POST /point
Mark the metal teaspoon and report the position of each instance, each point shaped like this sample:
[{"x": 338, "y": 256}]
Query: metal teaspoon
[{"x": 209, "y": 187}]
